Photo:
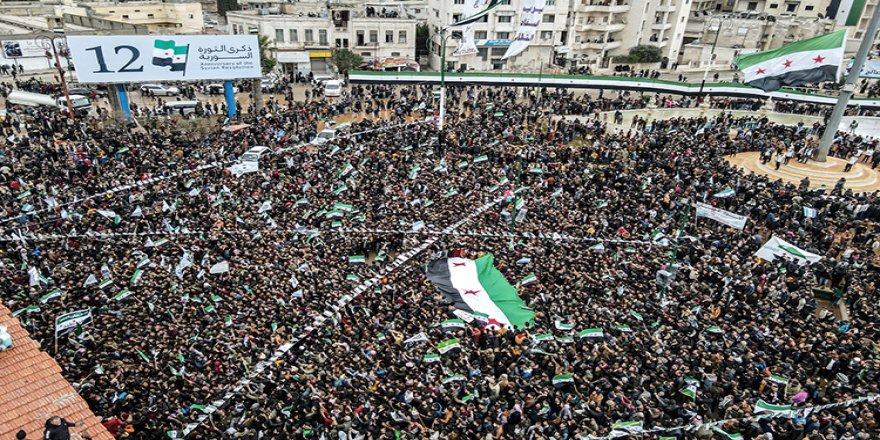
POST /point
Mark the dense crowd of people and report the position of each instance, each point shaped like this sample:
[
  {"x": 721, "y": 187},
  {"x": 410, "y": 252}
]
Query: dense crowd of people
[{"x": 197, "y": 277}]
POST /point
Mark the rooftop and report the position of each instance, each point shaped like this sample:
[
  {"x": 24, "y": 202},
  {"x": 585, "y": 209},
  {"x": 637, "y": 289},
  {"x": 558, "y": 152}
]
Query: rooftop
[{"x": 34, "y": 390}]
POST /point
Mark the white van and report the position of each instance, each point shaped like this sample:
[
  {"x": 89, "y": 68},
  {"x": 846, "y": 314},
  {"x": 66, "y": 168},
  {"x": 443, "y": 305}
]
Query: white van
[
  {"x": 326, "y": 135},
  {"x": 254, "y": 154},
  {"x": 175, "y": 107},
  {"x": 332, "y": 88}
]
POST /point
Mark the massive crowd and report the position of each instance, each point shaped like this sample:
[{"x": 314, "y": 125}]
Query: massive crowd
[{"x": 138, "y": 223}]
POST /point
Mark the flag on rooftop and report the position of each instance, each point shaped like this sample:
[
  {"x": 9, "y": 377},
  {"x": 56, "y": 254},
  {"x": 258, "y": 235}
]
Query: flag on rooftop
[{"x": 813, "y": 60}]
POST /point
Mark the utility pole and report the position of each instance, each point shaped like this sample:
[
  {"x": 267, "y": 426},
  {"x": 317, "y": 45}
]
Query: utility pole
[
  {"x": 49, "y": 43},
  {"x": 711, "y": 56},
  {"x": 849, "y": 87}
]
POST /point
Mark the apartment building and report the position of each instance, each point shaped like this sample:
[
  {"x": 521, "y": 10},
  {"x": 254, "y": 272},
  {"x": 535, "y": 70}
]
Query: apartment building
[
  {"x": 156, "y": 17},
  {"x": 303, "y": 34},
  {"x": 779, "y": 8},
  {"x": 495, "y": 33}
]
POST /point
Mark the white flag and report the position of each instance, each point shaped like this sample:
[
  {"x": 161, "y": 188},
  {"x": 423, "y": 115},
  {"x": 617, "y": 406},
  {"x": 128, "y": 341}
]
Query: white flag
[
  {"x": 221, "y": 267},
  {"x": 266, "y": 206},
  {"x": 90, "y": 280},
  {"x": 107, "y": 213},
  {"x": 779, "y": 248},
  {"x": 137, "y": 212}
]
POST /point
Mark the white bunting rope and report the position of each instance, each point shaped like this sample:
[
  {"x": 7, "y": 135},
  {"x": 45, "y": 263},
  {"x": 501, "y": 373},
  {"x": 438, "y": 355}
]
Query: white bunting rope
[
  {"x": 805, "y": 412},
  {"x": 322, "y": 318}
]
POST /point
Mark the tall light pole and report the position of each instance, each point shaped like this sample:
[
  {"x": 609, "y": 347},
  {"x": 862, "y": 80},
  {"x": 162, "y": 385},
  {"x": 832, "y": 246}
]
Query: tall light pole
[
  {"x": 849, "y": 87},
  {"x": 711, "y": 54},
  {"x": 441, "y": 119},
  {"x": 51, "y": 45}
]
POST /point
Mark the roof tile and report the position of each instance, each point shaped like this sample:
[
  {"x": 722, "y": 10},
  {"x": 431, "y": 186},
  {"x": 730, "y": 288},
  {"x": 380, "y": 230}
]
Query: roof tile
[{"x": 34, "y": 382}]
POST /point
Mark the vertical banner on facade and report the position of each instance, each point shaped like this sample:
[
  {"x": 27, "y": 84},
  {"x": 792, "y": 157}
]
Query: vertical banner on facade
[
  {"x": 532, "y": 12},
  {"x": 467, "y": 46}
]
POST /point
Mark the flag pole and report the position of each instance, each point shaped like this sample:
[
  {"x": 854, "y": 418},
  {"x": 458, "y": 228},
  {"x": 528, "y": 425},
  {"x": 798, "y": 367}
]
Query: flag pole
[{"x": 848, "y": 88}]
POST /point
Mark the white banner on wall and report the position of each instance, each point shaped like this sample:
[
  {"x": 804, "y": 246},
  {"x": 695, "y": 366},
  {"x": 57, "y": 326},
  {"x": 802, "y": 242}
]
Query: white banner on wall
[
  {"x": 23, "y": 49},
  {"x": 532, "y": 13},
  {"x": 116, "y": 59}
]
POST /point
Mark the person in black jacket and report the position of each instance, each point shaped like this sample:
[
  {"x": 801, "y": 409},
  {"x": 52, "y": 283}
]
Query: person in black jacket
[{"x": 58, "y": 429}]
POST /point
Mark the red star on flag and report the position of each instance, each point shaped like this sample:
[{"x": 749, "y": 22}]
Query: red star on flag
[
  {"x": 495, "y": 322},
  {"x": 471, "y": 292},
  {"x": 760, "y": 71},
  {"x": 787, "y": 63},
  {"x": 818, "y": 59}
]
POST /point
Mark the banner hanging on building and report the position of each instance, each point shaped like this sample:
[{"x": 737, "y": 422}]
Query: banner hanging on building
[
  {"x": 471, "y": 9},
  {"x": 23, "y": 49},
  {"x": 120, "y": 59},
  {"x": 871, "y": 69},
  {"x": 532, "y": 13}
]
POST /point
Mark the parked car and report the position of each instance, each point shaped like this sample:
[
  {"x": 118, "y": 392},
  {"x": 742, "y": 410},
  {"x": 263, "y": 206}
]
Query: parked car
[
  {"x": 319, "y": 80},
  {"x": 159, "y": 90},
  {"x": 217, "y": 89},
  {"x": 332, "y": 88}
]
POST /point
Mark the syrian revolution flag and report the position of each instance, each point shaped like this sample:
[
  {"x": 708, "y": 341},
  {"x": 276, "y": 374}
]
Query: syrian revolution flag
[
  {"x": 773, "y": 410},
  {"x": 476, "y": 286},
  {"x": 809, "y": 61},
  {"x": 562, "y": 380},
  {"x": 451, "y": 325},
  {"x": 848, "y": 12},
  {"x": 724, "y": 434},
  {"x": 477, "y": 13},
  {"x": 448, "y": 345},
  {"x": 591, "y": 333},
  {"x": 166, "y": 53},
  {"x": 779, "y": 248},
  {"x": 690, "y": 388},
  {"x": 627, "y": 427}
]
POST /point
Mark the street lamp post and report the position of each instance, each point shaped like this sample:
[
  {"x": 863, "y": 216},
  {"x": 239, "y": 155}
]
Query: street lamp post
[
  {"x": 711, "y": 54},
  {"x": 441, "y": 119},
  {"x": 51, "y": 45}
]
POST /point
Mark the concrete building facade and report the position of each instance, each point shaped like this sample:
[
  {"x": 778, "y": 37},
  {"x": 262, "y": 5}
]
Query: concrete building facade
[{"x": 304, "y": 34}]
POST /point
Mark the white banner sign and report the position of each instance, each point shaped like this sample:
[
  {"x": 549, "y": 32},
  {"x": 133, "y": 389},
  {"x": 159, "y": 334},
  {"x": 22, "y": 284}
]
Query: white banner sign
[
  {"x": 779, "y": 248},
  {"x": 871, "y": 69},
  {"x": 467, "y": 45},
  {"x": 725, "y": 217},
  {"x": 117, "y": 59},
  {"x": 23, "y": 49},
  {"x": 532, "y": 13},
  {"x": 68, "y": 321}
]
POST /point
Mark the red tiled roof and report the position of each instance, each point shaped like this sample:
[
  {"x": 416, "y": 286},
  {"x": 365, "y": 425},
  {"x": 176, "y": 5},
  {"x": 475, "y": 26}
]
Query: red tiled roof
[{"x": 32, "y": 389}]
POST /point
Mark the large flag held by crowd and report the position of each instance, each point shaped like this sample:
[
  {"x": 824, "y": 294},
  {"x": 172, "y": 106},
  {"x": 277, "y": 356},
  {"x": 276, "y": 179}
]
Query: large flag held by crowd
[
  {"x": 778, "y": 248},
  {"x": 813, "y": 60},
  {"x": 476, "y": 287}
]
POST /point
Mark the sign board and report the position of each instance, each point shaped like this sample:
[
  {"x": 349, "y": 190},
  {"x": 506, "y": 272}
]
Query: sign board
[
  {"x": 871, "y": 69},
  {"x": 117, "y": 59},
  {"x": 68, "y": 321},
  {"x": 23, "y": 49}
]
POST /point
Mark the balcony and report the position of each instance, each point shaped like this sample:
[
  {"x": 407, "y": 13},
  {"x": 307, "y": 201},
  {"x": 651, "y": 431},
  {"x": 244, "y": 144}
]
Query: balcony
[
  {"x": 661, "y": 26},
  {"x": 603, "y": 27},
  {"x": 660, "y": 44},
  {"x": 614, "y": 8},
  {"x": 608, "y": 45}
]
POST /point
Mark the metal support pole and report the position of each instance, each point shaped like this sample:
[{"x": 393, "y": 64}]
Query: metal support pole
[
  {"x": 51, "y": 45},
  {"x": 229, "y": 91},
  {"x": 848, "y": 88},
  {"x": 711, "y": 56},
  {"x": 124, "y": 106},
  {"x": 441, "y": 120}
]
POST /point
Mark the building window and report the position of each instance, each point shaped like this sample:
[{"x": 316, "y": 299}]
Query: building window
[
  {"x": 773, "y": 5},
  {"x": 459, "y": 2},
  {"x": 401, "y": 37},
  {"x": 395, "y": 54},
  {"x": 483, "y": 53},
  {"x": 293, "y": 36},
  {"x": 456, "y": 18},
  {"x": 310, "y": 36},
  {"x": 480, "y": 35},
  {"x": 505, "y": 2},
  {"x": 546, "y": 35},
  {"x": 366, "y": 54},
  {"x": 125, "y": 17},
  {"x": 549, "y": 18},
  {"x": 504, "y": 18},
  {"x": 322, "y": 37},
  {"x": 791, "y": 7},
  {"x": 360, "y": 38},
  {"x": 808, "y": 8},
  {"x": 191, "y": 16},
  {"x": 502, "y": 35},
  {"x": 279, "y": 35},
  {"x": 151, "y": 16},
  {"x": 551, "y": 2},
  {"x": 389, "y": 36},
  {"x": 374, "y": 37}
]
